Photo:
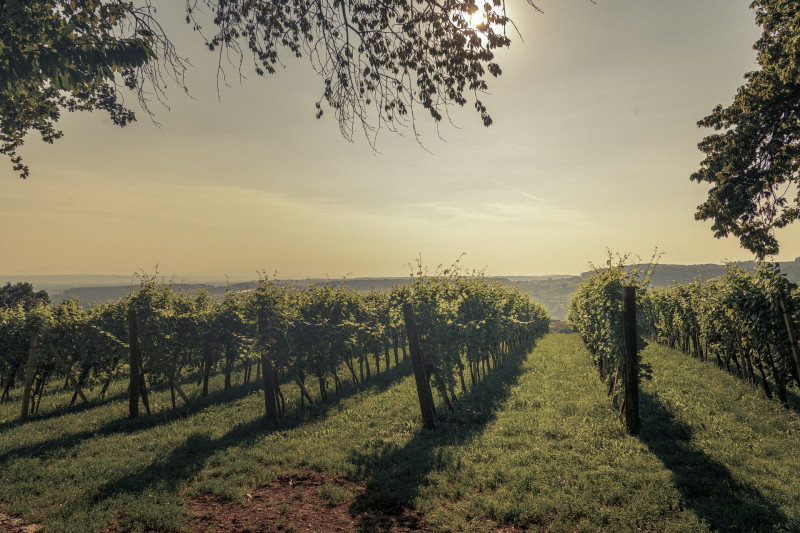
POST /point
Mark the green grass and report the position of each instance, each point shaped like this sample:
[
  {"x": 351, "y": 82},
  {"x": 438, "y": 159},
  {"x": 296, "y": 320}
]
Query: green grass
[
  {"x": 535, "y": 444},
  {"x": 334, "y": 494}
]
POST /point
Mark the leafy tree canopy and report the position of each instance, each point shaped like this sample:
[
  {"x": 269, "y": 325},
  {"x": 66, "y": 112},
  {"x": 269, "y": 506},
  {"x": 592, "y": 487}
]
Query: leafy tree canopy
[
  {"x": 74, "y": 55},
  {"x": 380, "y": 62},
  {"x": 752, "y": 163},
  {"x": 23, "y": 294}
]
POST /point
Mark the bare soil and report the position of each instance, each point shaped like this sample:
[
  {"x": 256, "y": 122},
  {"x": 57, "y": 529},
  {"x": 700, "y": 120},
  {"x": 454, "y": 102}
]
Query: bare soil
[
  {"x": 12, "y": 524},
  {"x": 305, "y": 501}
]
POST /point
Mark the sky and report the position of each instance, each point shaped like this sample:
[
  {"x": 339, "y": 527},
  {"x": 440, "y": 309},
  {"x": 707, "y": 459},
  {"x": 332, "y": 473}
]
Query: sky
[{"x": 593, "y": 142}]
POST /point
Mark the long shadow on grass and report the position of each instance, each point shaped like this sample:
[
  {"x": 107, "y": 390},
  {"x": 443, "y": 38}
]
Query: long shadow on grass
[
  {"x": 395, "y": 474},
  {"x": 187, "y": 460},
  {"x": 707, "y": 486},
  {"x": 80, "y": 406},
  {"x": 125, "y": 425},
  {"x": 182, "y": 463},
  {"x": 377, "y": 383},
  {"x": 792, "y": 398},
  {"x": 62, "y": 410}
]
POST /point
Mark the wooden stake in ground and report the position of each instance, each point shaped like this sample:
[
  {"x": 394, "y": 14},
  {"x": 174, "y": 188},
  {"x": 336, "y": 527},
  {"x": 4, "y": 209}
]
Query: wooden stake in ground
[
  {"x": 176, "y": 387},
  {"x": 631, "y": 407},
  {"x": 65, "y": 368},
  {"x": 270, "y": 402},
  {"x": 296, "y": 376},
  {"x": 29, "y": 368},
  {"x": 790, "y": 333},
  {"x": 423, "y": 386},
  {"x": 270, "y": 396},
  {"x": 134, "y": 386}
]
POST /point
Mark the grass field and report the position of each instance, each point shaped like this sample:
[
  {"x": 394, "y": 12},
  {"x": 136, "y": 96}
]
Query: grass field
[{"x": 534, "y": 446}]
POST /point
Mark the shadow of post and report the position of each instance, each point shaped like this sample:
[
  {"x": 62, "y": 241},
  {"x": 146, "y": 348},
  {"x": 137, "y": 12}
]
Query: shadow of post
[
  {"x": 707, "y": 486},
  {"x": 395, "y": 474},
  {"x": 182, "y": 463},
  {"x": 62, "y": 410},
  {"x": 122, "y": 425},
  {"x": 186, "y": 460}
]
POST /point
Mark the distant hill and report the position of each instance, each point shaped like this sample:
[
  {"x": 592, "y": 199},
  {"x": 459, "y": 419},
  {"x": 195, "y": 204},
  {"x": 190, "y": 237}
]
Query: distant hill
[
  {"x": 665, "y": 275},
  {"x": 55, "y": 284},
  {"x": 554, "y": 291},
  {"x": 94, "y": 295},
  {"x": 90, "y": 295}
]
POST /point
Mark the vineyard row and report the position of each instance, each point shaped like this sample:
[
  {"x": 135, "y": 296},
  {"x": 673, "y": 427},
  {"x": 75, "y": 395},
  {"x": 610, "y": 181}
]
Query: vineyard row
[
  {"x": 746, "y": 322},
  {"x": 162, "y": 337}
]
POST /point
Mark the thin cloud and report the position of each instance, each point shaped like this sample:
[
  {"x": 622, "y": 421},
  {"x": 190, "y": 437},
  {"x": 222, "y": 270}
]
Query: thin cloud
[{"x": 526, "y": 210}]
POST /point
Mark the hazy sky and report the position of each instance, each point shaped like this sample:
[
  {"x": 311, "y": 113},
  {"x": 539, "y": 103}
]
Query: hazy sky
[{"x": 593, "y": 142}]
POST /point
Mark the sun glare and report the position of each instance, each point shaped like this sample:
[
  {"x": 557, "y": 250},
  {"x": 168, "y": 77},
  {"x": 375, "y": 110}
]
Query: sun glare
[
  {"x": 475, "y": 19},
  {"x": 478, "y": 22}
]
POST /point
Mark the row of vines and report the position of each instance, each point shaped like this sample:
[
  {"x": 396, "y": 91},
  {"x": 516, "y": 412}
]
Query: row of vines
[
  {"x": 745, "y": 321},
  {"x": 325, "y": 334},
  {"x": 595, "y": 312}
]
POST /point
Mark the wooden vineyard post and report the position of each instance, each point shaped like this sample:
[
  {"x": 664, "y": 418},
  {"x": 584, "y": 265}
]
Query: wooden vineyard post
[
  {"x": 70, "y": 379},
  {"x": 134, "y": 386},
  {"x": 423, "y": 386},
  {"x": 268, "y": 374},
  {"x": 177, "y": 388},
  {"x": 29, "y": 368},
  {"x": 631, "y": 410},
  {"x": 790, "y": 333},
  {"x": 270, "y": 397}
]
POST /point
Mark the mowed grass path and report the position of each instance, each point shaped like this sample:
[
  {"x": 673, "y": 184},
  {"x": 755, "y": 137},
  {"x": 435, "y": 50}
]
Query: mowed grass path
[{"x": 535, "y": 445}]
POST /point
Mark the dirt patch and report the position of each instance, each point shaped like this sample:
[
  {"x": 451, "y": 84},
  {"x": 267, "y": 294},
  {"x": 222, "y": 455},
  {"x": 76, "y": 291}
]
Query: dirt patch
[
  {"x": 12, "y": 524},
  {"x": 304, "y": 501}
]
